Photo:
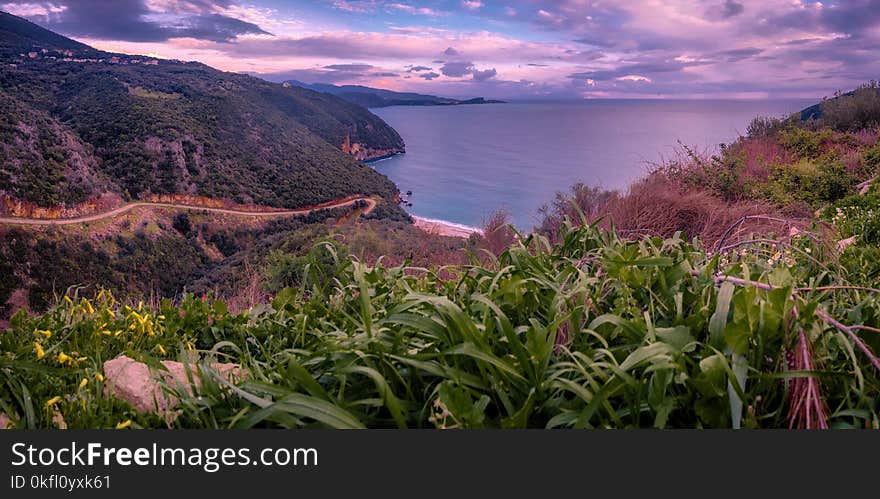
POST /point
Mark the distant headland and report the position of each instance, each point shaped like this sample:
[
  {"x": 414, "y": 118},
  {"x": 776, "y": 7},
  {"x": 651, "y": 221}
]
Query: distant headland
[{"x": 378, "y": 97}]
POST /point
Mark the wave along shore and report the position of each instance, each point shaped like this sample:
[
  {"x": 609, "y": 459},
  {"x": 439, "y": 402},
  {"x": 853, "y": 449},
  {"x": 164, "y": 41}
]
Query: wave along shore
[{"x": 444, "y": 227}]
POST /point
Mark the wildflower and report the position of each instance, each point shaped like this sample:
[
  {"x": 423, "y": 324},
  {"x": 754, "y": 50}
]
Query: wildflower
[
  {"x": 106, "y": 332},
  {"x": 45, "y": 333},
  {"x": 89, "y": 307},
  {"x": 68, "y": 300},
  {"x": 40, "y": 352},
  {"x": 52, "y": 401},
  {"x": 161, "y": 350},
  {"x": 123, "y": 425},
  {"x": 82, "y": 359},
  {"x": 83, "y": 383},
  {"x": 99, "y": 377},
  {"x": 63, "y": 358}
]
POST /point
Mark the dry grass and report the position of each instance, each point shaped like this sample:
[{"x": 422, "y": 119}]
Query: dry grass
[
  {"x": 659, "y": 206},
  {"x": 498, "y": 235}
]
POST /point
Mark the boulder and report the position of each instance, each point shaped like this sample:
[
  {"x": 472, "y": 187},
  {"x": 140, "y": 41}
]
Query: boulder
[
  {"x": 5, "y": 422},
  {"x": 135, "y": 383}
]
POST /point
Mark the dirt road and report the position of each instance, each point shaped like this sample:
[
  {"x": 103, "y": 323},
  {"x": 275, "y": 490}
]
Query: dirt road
[{"x": 229, "y": 211}]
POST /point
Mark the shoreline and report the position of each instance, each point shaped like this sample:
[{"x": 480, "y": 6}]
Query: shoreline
[{"x": 444, "y": 228}]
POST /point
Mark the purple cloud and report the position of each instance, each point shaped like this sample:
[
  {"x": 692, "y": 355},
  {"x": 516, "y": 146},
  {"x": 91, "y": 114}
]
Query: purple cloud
[{"x": 129, "y": 20}]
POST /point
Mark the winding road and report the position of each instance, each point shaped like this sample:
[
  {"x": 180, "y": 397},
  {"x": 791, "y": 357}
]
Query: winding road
[{"x": 371, "y": 204}]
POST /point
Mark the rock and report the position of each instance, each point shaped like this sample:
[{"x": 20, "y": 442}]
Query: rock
[
  {"x": 843, "y": 243},
  {"x": 5, "y": 422},
  {"x": 58, "y": 419},
  {"x": 135, "y": 383}
]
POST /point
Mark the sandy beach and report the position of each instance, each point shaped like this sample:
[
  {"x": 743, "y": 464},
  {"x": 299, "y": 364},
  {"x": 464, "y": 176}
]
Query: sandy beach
[{"x": 443, "y": 228}]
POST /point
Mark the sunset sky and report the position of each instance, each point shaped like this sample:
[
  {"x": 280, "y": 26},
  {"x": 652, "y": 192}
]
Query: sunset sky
[{"x": 501, "y": 49}]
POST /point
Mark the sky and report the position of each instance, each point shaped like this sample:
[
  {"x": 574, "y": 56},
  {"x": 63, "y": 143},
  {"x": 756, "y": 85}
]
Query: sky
[{"x": 513, "y": 49}]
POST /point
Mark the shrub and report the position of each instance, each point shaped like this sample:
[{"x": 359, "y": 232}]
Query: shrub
[
  {"x": 855, "y": 110},
  {"x": 182, "y": 224},
  {"x": 858, "y": 216}
]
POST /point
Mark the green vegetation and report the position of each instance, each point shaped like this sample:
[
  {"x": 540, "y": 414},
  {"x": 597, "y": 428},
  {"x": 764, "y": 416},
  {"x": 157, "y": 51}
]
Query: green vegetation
[{"x": 594, "y": 331}]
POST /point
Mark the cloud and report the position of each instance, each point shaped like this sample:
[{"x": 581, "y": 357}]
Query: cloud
[
  {"x": 484, "y": 75},
  {"x": 457, "y": 69},
  {"x": 413, "y": 10},
  {"x": 451, "y": 51},
  {"x": 460, "y": 69},
  {"x": 726, "y": 10},
  {"x": 737, "y": 55},
  {"x": 357, "y": 6},
  {"x": 349, "y": 67},
  {"x": 636, "y": 78},
  {"x": 429, "y": 76},
  {"x": 416, "y": 69},
  {"x": 132, "y": 20},
  {"x": 471, "y": 4}
]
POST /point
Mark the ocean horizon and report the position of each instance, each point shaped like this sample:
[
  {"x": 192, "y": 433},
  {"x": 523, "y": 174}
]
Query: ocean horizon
[{"x": 462, "y": 163}]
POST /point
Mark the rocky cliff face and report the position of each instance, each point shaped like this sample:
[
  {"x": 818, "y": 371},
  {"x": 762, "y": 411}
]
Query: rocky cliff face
[{"x": 365, "y": 153}]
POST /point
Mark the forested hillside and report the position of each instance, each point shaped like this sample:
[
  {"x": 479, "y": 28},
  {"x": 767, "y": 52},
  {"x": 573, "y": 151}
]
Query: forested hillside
[{"x": 78, "y": 122}]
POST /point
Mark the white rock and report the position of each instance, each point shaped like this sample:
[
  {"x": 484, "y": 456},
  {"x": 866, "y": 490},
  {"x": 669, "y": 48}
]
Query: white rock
[{"x": 135, "y": 383}]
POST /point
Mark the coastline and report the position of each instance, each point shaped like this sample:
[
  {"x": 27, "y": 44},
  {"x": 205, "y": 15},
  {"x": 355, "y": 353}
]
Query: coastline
[{"x": 444, "y": 228}]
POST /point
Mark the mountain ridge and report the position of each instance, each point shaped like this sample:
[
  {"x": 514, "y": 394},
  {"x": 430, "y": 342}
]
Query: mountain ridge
[{"x": 380, "y": 97}]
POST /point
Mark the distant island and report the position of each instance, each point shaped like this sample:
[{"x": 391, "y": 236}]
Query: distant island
[{"x": 378, "y": 97}]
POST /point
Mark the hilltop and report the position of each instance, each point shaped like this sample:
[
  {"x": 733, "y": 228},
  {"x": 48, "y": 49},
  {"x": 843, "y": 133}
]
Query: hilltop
[
  {"x": 379, "y": 97},
  {"x": 81, "y": 124},
  {"x": 846, "y": 111}
]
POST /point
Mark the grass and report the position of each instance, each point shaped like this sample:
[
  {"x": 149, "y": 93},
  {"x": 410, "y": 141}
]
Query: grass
[{"x": 593, "y": 331}]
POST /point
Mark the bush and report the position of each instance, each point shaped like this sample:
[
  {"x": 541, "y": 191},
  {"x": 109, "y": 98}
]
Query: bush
[
  {"x": 858, "y": 216},
  {"x": 853, "y": 111},
  {"x": 182, "y": 224}
]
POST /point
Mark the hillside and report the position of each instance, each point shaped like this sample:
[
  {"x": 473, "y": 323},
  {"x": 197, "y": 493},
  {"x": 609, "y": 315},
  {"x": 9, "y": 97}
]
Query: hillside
[
  {"x": 79, "y": 123},
  {"x": 378, "y": 97},
  {"x": 847, "y": 111}
]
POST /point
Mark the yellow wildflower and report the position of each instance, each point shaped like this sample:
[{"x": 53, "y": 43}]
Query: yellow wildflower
[
  {"x": 83, "y": 383},
  {"x": 82, "y": 359},
  {"x": 63, "y": 358},
  {"x": 40, "y": 352},
  {"x": 99, "y": 377},
  {"x": 161, "y": 350},
  {"x": 123, "y": 425},
  {"x": 52, "y": 401},
  {"x": 88, "y": 306},
  {"x": 68, "y": 300},
  {"x": 45, "y": 333},
  {"x": 106, "y": 332}
]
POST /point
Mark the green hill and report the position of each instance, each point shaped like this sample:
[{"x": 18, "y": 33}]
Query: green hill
[{"x": 79, "y": 122}]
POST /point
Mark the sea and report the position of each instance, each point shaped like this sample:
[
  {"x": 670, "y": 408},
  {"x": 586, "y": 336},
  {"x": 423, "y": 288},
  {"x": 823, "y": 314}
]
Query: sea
[{"x": 462, "y": 163}]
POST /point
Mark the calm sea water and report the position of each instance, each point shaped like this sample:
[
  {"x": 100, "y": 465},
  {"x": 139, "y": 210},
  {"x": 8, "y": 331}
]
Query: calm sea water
[{"x": 464, "y": 162}]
